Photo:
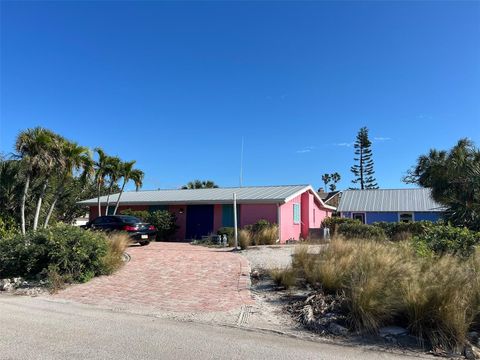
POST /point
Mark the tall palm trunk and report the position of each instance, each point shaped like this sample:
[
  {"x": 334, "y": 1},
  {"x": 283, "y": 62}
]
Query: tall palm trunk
[
  {"x": 24, "y": 200},
  {"x": 54, "y": 202},
  {"x": 108, "y": 198},
  {"x": 39, "y": 205},
  {"x": 119, "y": 196},
  {"x": 98, "y": 200}
]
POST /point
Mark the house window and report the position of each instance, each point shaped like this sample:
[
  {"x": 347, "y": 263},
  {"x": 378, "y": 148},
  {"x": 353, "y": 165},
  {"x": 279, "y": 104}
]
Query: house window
[
  {"x": 313, "y": 216},
  {"x": 359, "y": 216},
  {"x": 405, "y": 217},
  {"x": 296, "y": 213}
]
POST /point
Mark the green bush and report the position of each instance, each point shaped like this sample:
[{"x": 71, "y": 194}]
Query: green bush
[
  {"x": 446, "y": 239},
  {"x": 361, "y": 231},
  {"x": 70, "y": 252},
  {"x": 334, "y": 222},
  {"x": 164, "y": 221},
  {"x": 8, "y": 226},
  {"x": 402, "y": 231}
]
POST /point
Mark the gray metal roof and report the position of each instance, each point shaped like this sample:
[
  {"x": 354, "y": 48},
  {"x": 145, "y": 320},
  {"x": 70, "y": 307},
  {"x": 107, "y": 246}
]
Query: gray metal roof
[
  {"x": 245, "y": 195},
  {"x": 388, "y": 200}
]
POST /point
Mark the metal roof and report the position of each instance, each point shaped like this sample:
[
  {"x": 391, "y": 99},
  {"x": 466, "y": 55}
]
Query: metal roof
[
  {"x": 245, "y": 195},
  {"x": 388, "y": 200}
]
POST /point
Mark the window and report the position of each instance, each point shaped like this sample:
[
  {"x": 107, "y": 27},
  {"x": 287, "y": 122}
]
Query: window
[
  {"x": 296, "y": 213},
  {"x": 313, "y": 216},
  {"x": 359, "y": 216},
  {"x": 405, "y": 217}
]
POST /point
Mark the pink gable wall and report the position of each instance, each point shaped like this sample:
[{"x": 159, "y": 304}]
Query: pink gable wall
[
  {"x": 289, "y": 230},
  {"x": 251, "y": 213},
  {"x": 311, "y": 216}
]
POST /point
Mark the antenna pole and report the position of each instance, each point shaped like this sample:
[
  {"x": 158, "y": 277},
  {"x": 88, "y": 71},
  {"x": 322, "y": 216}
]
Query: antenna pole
[{"x": 241, "y": 165}]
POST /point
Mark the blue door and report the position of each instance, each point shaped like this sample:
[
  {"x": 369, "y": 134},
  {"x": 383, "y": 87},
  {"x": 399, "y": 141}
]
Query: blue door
[{"x": 199, "y": 221}]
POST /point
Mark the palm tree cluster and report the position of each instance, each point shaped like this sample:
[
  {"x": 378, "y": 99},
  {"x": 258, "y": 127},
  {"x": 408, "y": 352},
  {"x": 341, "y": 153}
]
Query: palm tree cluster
[
  {"x": 331, "y": 179},
  {"x": 54, "y": 164},
  {"x": 200, "y": 184},
  {"x": 454, "y": 178}
]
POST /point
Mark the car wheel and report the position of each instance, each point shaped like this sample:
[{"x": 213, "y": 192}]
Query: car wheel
[{"x": 144, "y": 243}]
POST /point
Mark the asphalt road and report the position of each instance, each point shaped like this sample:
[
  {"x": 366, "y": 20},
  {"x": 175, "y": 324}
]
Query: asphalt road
[{"x": 35, "y": 328}]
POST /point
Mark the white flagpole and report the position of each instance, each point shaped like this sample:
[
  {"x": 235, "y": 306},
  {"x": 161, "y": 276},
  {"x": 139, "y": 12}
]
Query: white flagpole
[{"x": 235, "y": 219}]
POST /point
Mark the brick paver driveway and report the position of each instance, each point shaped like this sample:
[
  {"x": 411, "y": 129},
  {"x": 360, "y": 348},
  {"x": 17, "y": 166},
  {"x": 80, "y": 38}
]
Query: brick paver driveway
[{"x": 174, "y": 277}]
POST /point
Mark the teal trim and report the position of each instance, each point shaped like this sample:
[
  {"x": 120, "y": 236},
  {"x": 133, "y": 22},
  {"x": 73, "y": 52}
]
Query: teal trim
[
  {"x": 153, "y": 208},
  {"x": 296, "y": 213},
  {"x": 227, "y": 215}
]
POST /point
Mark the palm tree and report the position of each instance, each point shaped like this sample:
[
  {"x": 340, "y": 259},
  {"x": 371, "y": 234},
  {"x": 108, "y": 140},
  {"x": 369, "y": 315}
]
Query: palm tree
[
  {"x": 100, "y": 167},
  {"x": 129, "y": 173},
  {"x": 114, "y": 173},
  {"x": 199, "y": 184},
  {"x": 75, "y": 158},
  {"x": 34, "y": 148}
]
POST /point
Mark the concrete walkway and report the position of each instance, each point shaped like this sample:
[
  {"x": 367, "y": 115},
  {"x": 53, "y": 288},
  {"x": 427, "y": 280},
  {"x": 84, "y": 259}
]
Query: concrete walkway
[{"x": 170, "y": 277}]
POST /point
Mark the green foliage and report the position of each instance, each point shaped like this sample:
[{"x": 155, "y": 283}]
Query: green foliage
[
  {"x": 200, "y": 184},
  {"x": 446, "y": 239},
  {"x": 333, "y": 178},
  {"x": 361, "y": 231},
  {"x": 73, "y": 253},
  {"x": 8, "y": 226},
  {"x": 363, "y": 169},
  {"x": 163, "y": 220},
  {"x": 398, "y": 230},
  {"x": 333, "y": 222},
  {"x": 454, "y": 178}
]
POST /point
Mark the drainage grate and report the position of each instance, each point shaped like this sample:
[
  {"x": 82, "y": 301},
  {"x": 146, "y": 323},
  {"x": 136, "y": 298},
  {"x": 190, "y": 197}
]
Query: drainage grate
[{"x": 244, "y": 315}]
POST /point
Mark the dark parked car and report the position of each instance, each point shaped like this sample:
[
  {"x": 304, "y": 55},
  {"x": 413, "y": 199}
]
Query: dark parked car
[{"x": 138, "y": 231}]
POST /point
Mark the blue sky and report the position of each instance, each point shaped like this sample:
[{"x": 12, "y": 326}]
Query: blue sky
[{"x": 176, "y": 85}]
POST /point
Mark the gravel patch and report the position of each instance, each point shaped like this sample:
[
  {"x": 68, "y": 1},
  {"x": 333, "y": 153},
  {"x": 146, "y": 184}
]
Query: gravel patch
[{"x": 273, "y": 256}]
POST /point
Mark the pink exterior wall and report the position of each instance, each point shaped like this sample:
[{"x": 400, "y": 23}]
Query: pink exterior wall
[
  {"x": 251, "y": 213},
  {"x": 180, "y": 212},
  {"x": 289, "y": 230},
  {"x": 217, "y": 217},
  {"x": 311, "y": 216}
]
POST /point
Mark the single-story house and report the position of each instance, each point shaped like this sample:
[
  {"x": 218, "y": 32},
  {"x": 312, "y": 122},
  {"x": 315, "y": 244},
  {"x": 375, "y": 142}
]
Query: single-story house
[
  {"x": 200, "y": 212},
  {"x": 390, "y": 205}
]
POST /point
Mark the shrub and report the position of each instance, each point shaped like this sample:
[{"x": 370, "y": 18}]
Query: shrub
[
  {"x": 164, "y": 221},
  {"x": 73, "y": 253},
  {"x": 361, "y": 231},
  {"x": 8, "y": 226},
  {"x": 438, "y": 297},
  {"x": 445, "y": 239},
  {"x": 244, "y": 238},
  {"x": 398, "y": 231},
  {"x": 286, "y": 277},
  {"x": 266, "y": 236},
  {"x": 334, "y": 222},
  {"x": 117, "y": 244}
]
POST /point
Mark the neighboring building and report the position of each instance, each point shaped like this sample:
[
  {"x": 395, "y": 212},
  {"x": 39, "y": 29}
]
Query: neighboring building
[
  {"x": 331, "y": 198},
  {"x": 389, "y": 205},
  {"x": 200, "y": 212}
]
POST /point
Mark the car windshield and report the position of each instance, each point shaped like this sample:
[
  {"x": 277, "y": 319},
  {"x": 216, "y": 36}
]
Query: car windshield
[{"x": 130, "y": 219}]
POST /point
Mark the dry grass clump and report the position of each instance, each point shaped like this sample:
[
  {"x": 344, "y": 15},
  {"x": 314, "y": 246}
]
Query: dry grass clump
[
  {"x": 438, "y": 297},
  {"x": 116, "y": 245},
  {"x": 244, "y": 239},
  {"x": 267, "y": 235},
  {"x": 286, "y": 277}
]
